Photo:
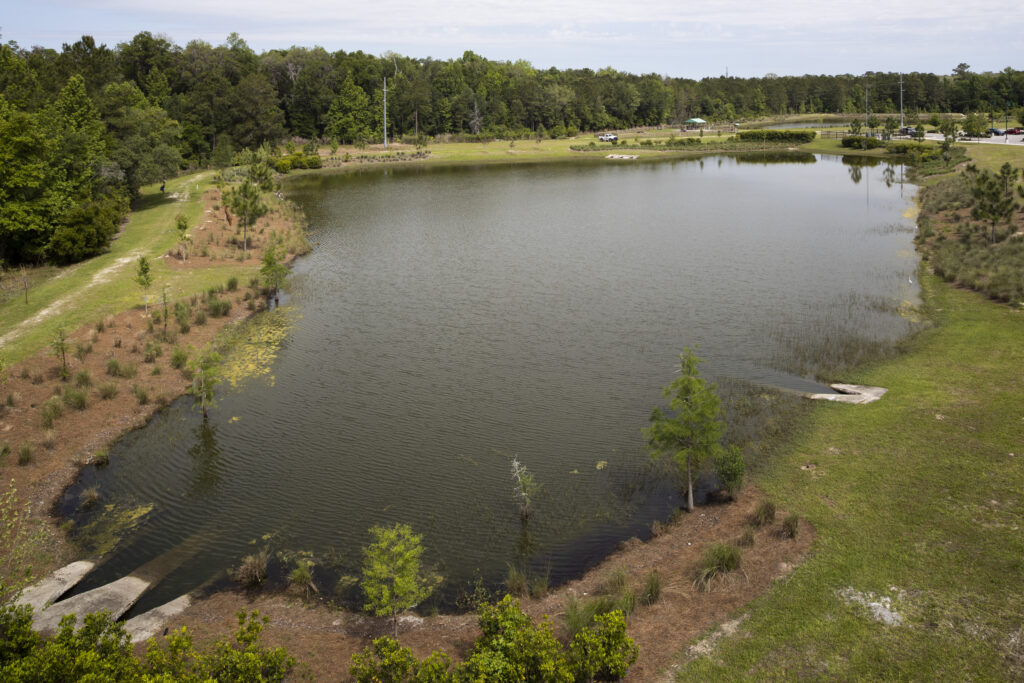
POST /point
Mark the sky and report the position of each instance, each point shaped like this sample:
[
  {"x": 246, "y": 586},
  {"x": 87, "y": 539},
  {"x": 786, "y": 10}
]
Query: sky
[{"x": 669, "y": 37}]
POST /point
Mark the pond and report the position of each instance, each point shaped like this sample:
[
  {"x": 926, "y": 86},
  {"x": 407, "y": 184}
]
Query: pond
[{"x": 450, "y": 319}]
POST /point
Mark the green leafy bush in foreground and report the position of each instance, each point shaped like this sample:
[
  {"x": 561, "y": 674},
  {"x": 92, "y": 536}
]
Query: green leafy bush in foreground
[
  {"x": 510, "y": 648},
  {"x": 101, "y": 650}
]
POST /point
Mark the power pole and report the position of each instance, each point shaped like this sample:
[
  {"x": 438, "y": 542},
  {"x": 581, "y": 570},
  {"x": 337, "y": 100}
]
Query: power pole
[
  {"x": 866, "y": 109},
  {"x": 901, "y": 100},
  {"x": 385, "y": 112}
]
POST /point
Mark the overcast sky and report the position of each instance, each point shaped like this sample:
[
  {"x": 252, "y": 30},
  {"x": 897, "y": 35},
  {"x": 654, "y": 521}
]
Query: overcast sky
[{"x": 671, "y": 37}]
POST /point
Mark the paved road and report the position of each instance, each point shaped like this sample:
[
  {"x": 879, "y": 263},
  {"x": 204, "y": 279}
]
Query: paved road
[{"x": 1000, "y": 140}]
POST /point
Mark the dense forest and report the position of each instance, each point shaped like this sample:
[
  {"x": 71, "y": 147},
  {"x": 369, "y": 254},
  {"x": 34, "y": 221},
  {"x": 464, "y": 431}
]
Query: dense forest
[{"x": 81, "y": 129}]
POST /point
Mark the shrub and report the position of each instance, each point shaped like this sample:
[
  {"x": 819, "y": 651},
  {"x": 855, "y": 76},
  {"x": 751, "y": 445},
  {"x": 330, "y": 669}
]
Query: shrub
[
  {"x": 511, "y": 647},
  {"x": 83, "y": 379},
  {"x": 730, "y": 466},
  {"x": 795, "y": 136},
  {"x": 790, "y": 526},
  {"x": 718, "y": 559},
  {"x": 386, "y": 660},
  {"x": 178, "y": 358},
  {"x": 25, "y": 455},
  {"x": 107, "y": 390},
  {"x": 314, "y": 161},
  {"x": 302, "y": 578},
  {"x": 218, "y": 308},
  {"x": 858, "y": 142},
  {"x": 200, "y": 318},
  {"x": 114, "y": 367},
  {"x": 764, "y": 513},
  {"x": 253, "y": 570},
  {"x": 141, "y": 395},
  {"x": 232, "y": 284},
  {"x": 73, "y": 398},
  {"x": 603, "y": 652},
  {"x": 101, "y": 459},
  {"x": 51, "y": 410},
  {"x": 652, "y": 588}
]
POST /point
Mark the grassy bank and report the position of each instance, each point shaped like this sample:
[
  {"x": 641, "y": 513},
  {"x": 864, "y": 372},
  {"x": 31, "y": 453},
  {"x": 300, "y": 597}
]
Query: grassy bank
[
  {"x": 917, "y": 503},
  {"x": 104, "y": 285}
]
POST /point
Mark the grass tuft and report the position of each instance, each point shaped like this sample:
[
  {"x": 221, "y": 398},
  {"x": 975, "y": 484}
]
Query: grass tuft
[{"x": 719, "y": 559}]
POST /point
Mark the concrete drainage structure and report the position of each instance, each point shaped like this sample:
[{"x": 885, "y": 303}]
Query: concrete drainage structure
[{"x": 851, "y": 393}]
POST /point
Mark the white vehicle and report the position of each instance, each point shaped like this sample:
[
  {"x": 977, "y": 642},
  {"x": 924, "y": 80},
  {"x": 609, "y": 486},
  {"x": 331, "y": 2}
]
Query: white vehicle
[{"x": 607, "y": 137}]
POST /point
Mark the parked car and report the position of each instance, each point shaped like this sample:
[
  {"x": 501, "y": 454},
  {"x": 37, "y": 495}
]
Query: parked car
[
  {"x": 1014, "y": 131},
  {"x": 907, "y": 130},
  {"x": 997, "y": 131},
  {"x": 607, "y": 137}
]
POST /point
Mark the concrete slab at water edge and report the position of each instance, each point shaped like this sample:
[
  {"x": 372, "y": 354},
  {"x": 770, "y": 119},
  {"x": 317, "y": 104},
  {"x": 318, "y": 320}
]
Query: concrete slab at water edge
[
  {"x": 149, "y": 624},
  {"x": 116, "y": 598},
  {"x": 42, "y": 594},
  {"x": 851, "y": 393}
]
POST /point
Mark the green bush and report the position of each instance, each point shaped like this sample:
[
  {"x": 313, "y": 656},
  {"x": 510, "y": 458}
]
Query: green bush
[
  {"x": 83, "y": 379},
  {"x": 858, "y": 142},
  {"x": 386, "y": 660},
  {"x": 107, "y": 391},
  {"x": 314, "y": 161},
  {"x": 794, "y": 136},
  {"x": 730, "y": 467},
  {"x": 511, "y": 647},
  {"x": 603, "y": 652},
  {"x": 178, "y": 358},
  {"x": 282, "y": 165},
  {"x": 232, "y": 284},
  {"x": 218, "y": 308}
]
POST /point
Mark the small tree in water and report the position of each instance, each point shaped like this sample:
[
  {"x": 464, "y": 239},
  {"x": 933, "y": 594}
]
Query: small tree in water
[
  {"x": 205, "y": 378},
  {"x": 690, "y": 435},
  {"x": 524, "y": 488}
]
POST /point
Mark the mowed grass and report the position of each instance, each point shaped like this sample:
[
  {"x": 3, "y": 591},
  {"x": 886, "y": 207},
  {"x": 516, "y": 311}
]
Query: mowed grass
[
  {"x": 918, "y": 498},
  {"x": 103, "y": 285}
]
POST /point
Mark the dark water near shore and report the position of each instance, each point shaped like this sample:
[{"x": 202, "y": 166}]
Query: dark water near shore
[{"x": 450, "y": 319}]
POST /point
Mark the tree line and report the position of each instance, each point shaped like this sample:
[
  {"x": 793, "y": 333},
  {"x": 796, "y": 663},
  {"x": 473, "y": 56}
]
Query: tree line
[{"x": 84, "y": 127}]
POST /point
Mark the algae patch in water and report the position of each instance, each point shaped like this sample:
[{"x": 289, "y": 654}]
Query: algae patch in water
[
  {"x": 255, "y": 345},
  {"x": 110, "y": 526}
]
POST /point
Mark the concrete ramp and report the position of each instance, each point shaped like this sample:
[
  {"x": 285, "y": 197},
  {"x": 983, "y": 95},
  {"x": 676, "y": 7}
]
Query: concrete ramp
[
  {"x": 151, "y": 623},
  {"x": 851, "y": 393},
  {"x": 42, "y": 594},
  {"x": 116, "y": 598}
]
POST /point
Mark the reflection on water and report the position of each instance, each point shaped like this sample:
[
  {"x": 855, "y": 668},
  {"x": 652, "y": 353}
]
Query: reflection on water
[{"x": 450, "y": 319}]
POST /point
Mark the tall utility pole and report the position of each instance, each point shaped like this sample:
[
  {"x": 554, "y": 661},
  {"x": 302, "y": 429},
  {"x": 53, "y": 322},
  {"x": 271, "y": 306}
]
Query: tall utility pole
[
  {"x": 385, "y": 112},
  {"x": 866, "y": 109},
  {"x": 901, "y": 100}
]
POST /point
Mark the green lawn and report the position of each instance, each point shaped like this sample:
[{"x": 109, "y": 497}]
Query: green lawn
[
  {"x": 919, "y": 498},
  {"x": 87, "y": 291}
]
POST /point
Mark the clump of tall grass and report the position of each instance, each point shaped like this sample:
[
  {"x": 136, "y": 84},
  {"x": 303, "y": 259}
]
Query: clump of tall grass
[
  {"x": 141, "y": 395},
  {"x": 746, "y": 539},
  {"x": 117, "y": 369},
  {"x": 253, "y": 570},
  {"x": 89, "y": 497},
  {"x": 719, "y": 559},
  {"x": 764, "y": 514},
  {"x": 83, "y": 380},
  {"x": 152, "y": 351},
  {"x": 302, "y": 578},
  {"x": 107, "y": 390},
  {"x": 652, "y": 588},
  {"x": 790, "y": 526},
  {"x": 75, "y": 399},
  {"x": 25, "y": 455},
  {"x": 51, "y": 410},
  {"x": 516, "y": 581},
  {"x": 49, "y": 440}
]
